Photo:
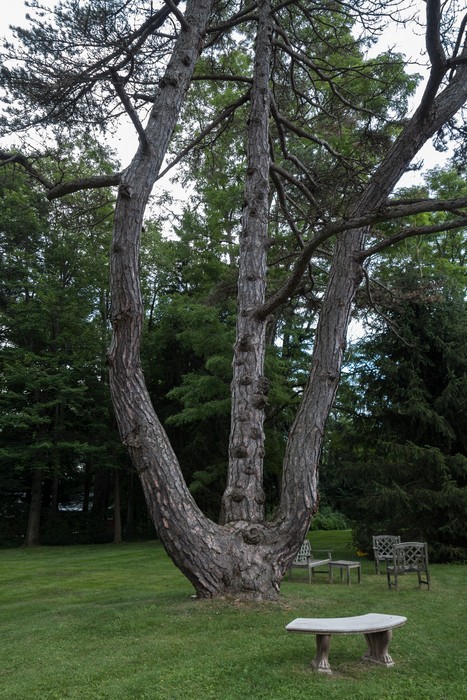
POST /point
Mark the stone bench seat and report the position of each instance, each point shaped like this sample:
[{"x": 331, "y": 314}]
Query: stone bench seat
[{"x": 376, "y": 627}]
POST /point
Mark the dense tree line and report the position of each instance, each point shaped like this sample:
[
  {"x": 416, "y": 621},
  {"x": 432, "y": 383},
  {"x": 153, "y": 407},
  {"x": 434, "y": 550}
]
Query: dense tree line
[
  {"x": 59, "y": 450},
  {"x": 395, "y": 458},
  {"x": 318, "y": 134}
]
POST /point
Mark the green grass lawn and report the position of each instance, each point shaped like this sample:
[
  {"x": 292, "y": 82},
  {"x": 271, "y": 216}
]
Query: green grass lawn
[{"x": 120, "y": 623}]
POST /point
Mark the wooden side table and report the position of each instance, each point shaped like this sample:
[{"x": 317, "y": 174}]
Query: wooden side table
[{"x": 347, "y": 565}]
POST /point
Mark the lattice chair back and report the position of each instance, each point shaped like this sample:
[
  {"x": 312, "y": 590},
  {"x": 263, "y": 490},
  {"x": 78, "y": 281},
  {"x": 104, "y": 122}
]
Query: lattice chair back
[
  {"x": 409, "y": 557},
  {"x": 302, "y": 557},
  {"x": 303, "y": 554},
  {"x": 383, "y": 548},
  {"x": 305, "y": 559}
]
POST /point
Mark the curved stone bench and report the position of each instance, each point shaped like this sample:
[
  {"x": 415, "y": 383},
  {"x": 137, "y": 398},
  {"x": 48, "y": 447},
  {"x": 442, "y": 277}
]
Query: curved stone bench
[{"x": 376, "y": 628}]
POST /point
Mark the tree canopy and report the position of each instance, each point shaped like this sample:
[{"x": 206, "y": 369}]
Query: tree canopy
[{"x": 282, "y": 98}]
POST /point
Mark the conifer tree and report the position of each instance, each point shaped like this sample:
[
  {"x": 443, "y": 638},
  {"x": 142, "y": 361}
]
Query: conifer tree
[{"x": 140, "y": 60}]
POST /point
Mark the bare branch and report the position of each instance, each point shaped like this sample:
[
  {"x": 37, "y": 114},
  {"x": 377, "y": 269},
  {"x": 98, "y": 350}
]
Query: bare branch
[
  {"x": 381, "y": 313},
  {"x": 434, "y": 46},
  {"x": 311, "y": 137},
  {"x": 411, "y": 232},
  {"x": 178, "y": 14},
  {"x": 130, "y": 110},
  {"x": 283, "y": 204},
  {"x": 439, "y": 64},
  {"x": 224, "y": 77},
  {"x": 339, "y": 227},
  {"x": 54, "y": 191},
  {"x": 225, "y": 114},
  {"x": 88, "y": 183},
  {"x": 294, "y": 181},
  {"x": 305, "y": 61},
  {"x": 18, "y": 159},
  {"x": 457, "y": 59}
]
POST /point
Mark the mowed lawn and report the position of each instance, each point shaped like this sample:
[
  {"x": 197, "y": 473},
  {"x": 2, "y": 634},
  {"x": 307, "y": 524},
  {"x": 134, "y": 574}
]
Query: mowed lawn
[{"x": 120, "y": 623}]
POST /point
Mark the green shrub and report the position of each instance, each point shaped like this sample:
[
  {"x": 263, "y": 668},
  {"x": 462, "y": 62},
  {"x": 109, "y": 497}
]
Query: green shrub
[{"x": 329, "y": 519}]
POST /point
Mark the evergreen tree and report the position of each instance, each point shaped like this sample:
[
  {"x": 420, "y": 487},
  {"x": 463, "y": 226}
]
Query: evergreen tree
[
  {"x": 141, "y": 60},
  {"x": 56, "y": 420},
  {"x": 396, "y": 461}
]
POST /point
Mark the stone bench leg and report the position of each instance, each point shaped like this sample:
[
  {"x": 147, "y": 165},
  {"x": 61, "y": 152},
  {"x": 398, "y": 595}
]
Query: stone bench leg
[
  {"x": 320, "y": 663},
  {"x": 378, "y": 648}
]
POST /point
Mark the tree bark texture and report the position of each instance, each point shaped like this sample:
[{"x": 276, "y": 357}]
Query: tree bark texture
[
  {"x": 248, "y": 556},
  {"x": 244, "y": 496},
  {"x": 216, "y": 560}
]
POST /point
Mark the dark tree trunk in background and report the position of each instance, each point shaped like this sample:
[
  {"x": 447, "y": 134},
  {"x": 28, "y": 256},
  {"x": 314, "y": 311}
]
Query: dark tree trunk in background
[
  {"x": 87, "y": 487},
  {"x": 32, "y": 538},
  {"x": 130, "y": 505},
  {"x": 101, "y": 492}
]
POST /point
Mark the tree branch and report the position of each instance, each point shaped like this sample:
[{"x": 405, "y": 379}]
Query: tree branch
[
  {"x": 311, "y": 137},
  {"x": 218, "y": 120},
  {"x": 434, "y": 46},
  {"x": 54, "y": 191},
  {"x": 378, "y": 216},
  {"x": 224, "y": 76},
  {"x": 88, "y": 183},
  {"x": 411, "y": 232},
  {"x": 294, "y": 181},
  {"x": 305, "y": 61},
  {"x": 379, "y": 312},
  {"x": 435, "y": 50},
  {"x": 18, "y": 159},
  {"x": 178, "y": 14},
  {"x": 455, "y": 59},
  {"x": 283, "y": 204},
  {"x": 130, "y": 110}
]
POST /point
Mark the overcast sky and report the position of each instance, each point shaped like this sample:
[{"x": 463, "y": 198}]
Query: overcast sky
[{"x": 13, "y": 13}]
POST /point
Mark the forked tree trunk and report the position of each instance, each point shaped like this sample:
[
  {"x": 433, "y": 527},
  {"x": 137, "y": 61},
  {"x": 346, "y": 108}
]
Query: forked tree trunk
[{"x": 248, "y": 556}]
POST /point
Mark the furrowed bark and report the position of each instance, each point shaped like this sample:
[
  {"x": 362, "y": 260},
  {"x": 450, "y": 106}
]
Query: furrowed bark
[
  {"x": 180, "y": 525},
  {"x": 244, "y": 497},
  {"x": 217, "y": 560}
]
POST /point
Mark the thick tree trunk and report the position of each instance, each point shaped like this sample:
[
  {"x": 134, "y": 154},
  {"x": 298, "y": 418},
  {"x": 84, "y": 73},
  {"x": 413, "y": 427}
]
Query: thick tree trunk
[{"x": 244, "y": 496}]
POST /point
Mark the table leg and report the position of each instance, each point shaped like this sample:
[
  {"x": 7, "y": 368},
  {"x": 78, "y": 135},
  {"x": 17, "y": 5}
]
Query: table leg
[
  {"x": 378, "y": 648},
  {"x": 320, "y": 663}
]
